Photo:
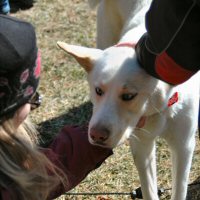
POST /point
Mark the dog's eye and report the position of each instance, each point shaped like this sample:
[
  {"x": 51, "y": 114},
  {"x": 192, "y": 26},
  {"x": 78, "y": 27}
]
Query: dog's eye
[
  {"x": 99, "y": 91},
  {"x": 128, "y": 96}
]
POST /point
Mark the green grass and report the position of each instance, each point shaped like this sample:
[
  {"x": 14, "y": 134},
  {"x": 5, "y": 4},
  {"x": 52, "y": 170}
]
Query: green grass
[{"x": 66, "y": 98}]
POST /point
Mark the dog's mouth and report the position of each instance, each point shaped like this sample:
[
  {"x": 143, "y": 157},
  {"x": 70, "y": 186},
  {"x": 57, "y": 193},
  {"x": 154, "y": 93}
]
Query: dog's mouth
[
  {"x": 98, "y": 143},
  {"x": 100, "y": 140},
  {"x": 141, "y": 122}
]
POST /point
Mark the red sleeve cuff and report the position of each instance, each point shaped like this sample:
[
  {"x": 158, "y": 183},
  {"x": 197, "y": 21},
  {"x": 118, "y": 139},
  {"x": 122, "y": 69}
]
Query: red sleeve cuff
[{"x": 169, "y": 71}]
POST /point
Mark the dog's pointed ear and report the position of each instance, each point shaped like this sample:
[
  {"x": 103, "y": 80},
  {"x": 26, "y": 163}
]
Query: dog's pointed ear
[{"x": 85, "y": 56}]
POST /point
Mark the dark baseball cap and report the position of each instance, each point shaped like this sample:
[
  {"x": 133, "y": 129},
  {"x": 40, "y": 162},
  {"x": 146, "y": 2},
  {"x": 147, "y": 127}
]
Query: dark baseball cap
[{"x": 20, "y": 64}]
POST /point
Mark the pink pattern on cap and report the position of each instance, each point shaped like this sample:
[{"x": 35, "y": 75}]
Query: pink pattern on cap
[
  {"x": 24, "y": 76},
  {"x": 37, "y": 69},
  {"x": 28, "y": 91}
]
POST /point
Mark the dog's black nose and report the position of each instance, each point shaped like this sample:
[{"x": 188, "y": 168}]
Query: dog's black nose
[{"x": 99, "y": 134}]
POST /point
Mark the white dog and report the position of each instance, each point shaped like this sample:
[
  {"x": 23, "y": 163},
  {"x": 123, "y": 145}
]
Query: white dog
[{"x": 130, "y": 104}]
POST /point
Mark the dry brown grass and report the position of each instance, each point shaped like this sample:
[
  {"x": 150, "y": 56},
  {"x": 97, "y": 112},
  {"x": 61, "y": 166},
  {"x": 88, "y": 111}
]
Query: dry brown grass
[{"x": 66, "y": 99}]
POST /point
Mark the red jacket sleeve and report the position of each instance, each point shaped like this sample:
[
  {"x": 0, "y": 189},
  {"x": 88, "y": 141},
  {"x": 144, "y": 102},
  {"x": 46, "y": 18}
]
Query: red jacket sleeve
[{"x": 72, "y": 152}]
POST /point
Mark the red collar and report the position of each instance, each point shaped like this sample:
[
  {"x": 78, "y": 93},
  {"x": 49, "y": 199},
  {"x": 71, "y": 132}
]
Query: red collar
[{"x": 126, "y": 44}]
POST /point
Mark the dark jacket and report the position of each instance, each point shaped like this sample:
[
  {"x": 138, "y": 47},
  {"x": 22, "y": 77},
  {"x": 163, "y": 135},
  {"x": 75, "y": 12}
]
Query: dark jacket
[{"x": 170, "y": 50}]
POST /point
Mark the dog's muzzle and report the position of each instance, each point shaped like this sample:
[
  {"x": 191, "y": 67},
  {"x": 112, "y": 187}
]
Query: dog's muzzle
[{"x": 99, "y": 134}]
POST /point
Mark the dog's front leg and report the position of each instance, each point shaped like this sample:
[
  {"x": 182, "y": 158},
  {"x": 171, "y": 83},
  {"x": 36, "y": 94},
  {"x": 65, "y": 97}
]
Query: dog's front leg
[
  {"x": 182, "y": 152},
  {"x": 145, "y": 161}
]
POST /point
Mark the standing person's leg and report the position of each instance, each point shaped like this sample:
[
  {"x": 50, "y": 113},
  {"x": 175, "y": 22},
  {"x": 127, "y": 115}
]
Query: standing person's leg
[{"x": 4, "y": 7}]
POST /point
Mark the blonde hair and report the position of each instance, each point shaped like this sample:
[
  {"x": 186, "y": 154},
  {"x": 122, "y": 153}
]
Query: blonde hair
[{"x": 23, "y": 166}]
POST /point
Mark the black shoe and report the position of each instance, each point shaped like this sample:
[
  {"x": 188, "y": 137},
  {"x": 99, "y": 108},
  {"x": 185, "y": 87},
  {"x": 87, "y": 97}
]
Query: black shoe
[{"x": 21, "y": 4}]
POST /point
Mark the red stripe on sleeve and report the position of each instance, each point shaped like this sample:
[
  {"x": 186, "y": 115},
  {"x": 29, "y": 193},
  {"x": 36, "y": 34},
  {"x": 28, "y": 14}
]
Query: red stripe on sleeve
[{"x": 170, "y": 71}]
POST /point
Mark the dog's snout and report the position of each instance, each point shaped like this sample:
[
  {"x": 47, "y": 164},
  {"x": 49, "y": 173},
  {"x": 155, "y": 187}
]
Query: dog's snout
[{"x": 99, "y": 134}]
